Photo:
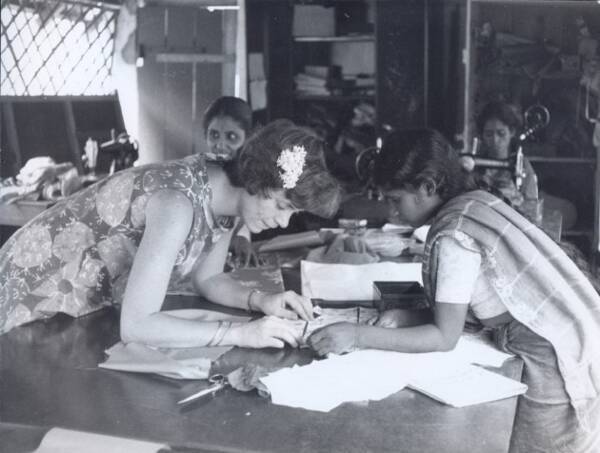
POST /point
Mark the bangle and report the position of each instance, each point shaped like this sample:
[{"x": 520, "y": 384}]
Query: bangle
[
  {"x": 221, "y": 332},
  {"x": 249, "y": 300},
  {"x": 210, "y": 343},
  {"x": 222, "y": 329}
]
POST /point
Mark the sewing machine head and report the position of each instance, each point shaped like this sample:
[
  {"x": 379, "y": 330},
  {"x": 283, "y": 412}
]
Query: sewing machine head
[
  {"x": 122, "y": 150},
  {"x": 536, "y": 117}
]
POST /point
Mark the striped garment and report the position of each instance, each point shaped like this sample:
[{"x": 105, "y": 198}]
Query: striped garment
[{"x": 539, "y": 285}]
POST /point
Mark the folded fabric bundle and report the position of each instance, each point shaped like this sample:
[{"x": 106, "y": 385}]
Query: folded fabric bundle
[{"x": 343, "y": 250}]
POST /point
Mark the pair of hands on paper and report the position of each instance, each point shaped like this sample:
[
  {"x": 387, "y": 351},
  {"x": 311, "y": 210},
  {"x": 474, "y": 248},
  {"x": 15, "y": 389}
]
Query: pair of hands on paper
[
  {"x": 342, "y": 337},
  {"x": 274, "y": 330}
]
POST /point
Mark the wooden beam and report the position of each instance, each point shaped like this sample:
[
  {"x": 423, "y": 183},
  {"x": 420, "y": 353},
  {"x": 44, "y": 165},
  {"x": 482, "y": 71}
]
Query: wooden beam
[
  {"x": 169, "y": 57},
  {"x": 72, "y": 136},
  {"x": 34, "y": 99},
  {"x": 12, "y": 136},
  {"x": 197, "y": 3}
]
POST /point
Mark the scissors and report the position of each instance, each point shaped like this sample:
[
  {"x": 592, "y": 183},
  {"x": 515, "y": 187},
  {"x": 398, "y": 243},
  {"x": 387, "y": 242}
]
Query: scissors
[{"x": 218, "y": 382}]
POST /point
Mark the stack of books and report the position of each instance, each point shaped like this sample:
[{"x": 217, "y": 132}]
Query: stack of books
[
  {"x": 328, "y": 80},
  {"x": 314, "y": 80}
]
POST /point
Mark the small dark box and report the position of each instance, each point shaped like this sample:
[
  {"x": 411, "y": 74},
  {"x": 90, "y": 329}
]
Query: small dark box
[{"x": 405, "y": 295}]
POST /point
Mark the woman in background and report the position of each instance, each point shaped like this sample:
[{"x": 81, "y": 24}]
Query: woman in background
[
  {"x": 498, "y": 124},
  {"x": 226, "y": 123},
  {"x": 145, "y": 230},
  {"x": 484, "y": 258}
]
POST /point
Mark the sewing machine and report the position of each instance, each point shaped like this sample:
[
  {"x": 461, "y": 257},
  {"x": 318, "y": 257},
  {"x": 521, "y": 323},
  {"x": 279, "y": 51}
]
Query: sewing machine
[
  {"x": 122, "y": 150},
  {"x": 536, "y": 117}
]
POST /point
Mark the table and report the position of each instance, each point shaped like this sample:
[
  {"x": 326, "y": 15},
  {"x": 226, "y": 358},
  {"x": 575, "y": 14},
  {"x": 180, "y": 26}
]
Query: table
[
  {"x": 49, "y": 377},
  {"x": 21, "y": 212}
]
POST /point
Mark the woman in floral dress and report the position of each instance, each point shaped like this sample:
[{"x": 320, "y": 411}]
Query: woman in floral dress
[{"x": 133, "y": 236}]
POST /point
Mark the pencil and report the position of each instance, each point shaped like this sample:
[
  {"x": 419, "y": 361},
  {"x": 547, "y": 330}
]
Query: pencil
[{"x": 305, "y": 328}]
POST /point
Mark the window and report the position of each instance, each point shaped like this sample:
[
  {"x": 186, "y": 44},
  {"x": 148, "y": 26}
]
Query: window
[{"x": 56, "y": 47}]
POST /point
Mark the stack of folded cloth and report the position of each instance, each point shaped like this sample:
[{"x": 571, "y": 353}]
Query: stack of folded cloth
[{"x": 41, "y": 178}]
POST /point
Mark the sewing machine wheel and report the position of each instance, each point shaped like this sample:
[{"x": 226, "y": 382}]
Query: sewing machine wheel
[
  {"x": 363, "y": 164},
  {"x": 536, "y": 116}
]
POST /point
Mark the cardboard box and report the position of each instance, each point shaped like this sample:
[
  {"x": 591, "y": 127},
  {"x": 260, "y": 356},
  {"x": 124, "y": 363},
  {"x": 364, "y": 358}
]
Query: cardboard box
[
  {"x": 313, "y": 20},
  {"x": 405, "y": 295}
]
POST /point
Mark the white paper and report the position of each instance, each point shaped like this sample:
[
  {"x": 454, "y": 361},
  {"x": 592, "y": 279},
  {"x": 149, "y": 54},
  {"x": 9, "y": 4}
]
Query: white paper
[
  {"x": 467, "y": 386},
  {"x": 59, "y": 440},
  {"x": 420, "y": 234},
  {"x": 474, "y": 349},
  {"x": 352, "y": 281},
  {"x": 449, "y": 377},
  {"x": 329, "y": 316},
  {"x": 325, "y": 384}
]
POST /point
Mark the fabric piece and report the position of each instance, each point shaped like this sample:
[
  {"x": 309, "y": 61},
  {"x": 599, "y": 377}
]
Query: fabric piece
[
  {"x": 139, "y": 358},
  {"x": 536, "y": 281},
  {"x": 75, "y": 256},
  {"x": 344, "y": 249},
  {"x": 176, "y": 363}
]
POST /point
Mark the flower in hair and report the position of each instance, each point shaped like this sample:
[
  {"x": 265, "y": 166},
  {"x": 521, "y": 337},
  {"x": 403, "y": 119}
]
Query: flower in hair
[{"x": 291, "y": 162}]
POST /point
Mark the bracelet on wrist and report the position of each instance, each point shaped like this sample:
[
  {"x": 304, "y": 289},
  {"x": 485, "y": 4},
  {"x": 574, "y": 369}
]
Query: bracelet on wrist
[{"x": 249, "y": 300}]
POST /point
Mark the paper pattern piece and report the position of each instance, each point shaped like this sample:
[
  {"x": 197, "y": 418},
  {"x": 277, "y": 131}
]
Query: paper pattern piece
[
  {"x": 176, "y": 363},
  {"x": 60, "y": 440},
  {"x": 325, "y": 384},
  {"x": 355, "y": 315},
  {"x": 449, "y": 377},
  {"x": 352, "y": 281},
  {"x": 468, "y": 385}
]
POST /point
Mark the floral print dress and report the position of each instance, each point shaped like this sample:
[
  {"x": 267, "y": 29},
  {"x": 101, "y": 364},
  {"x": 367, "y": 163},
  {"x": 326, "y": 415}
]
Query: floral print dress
[{"x": 76, "y": 256}]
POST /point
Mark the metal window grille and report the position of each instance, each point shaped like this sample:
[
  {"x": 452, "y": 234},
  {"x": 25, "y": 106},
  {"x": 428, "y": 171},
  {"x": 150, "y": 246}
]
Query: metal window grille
[{"x": 56, "y": 47}]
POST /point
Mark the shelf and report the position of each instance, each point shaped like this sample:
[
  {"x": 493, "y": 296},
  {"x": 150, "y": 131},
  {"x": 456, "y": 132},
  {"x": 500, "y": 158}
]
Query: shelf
[
  {"x": 568, "y": 3},
  {"x": 562, "y": 160},
  {"x": 572, "y": 233},
  {"x": 334, "y": 98},
  {"x": 347, "y": 38}
]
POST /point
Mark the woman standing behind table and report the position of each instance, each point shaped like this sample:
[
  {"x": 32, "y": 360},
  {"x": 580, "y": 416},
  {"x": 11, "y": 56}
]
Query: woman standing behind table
[
  {"x": 482, "y": 256},
  {"x": 226, "y": 123},
  {"x": 134, "y": 235}
]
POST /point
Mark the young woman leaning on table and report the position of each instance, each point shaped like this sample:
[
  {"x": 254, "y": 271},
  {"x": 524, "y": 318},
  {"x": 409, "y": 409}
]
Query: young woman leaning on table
[
  {"x": 483, "y": 258},
  {"x": 227, "y": 122},
  {"x": 146, "y": 230}
]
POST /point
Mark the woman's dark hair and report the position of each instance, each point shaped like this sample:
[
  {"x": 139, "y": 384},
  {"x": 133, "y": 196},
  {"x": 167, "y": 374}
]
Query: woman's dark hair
[
  {"x": 256, "y": 170},
  {"x": 411, "y": 158},
  {"x": 503, "y": 112},
  {"x": 235, "y": 108}
]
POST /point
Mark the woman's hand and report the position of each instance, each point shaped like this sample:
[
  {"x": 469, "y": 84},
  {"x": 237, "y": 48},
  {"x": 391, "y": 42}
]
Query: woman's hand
[
  {"x": 243, "y": 252},
  {"x": 266, "y": 332},
  {"x": 288, "y": 305},
  {"x": 335, "y": 338}
]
